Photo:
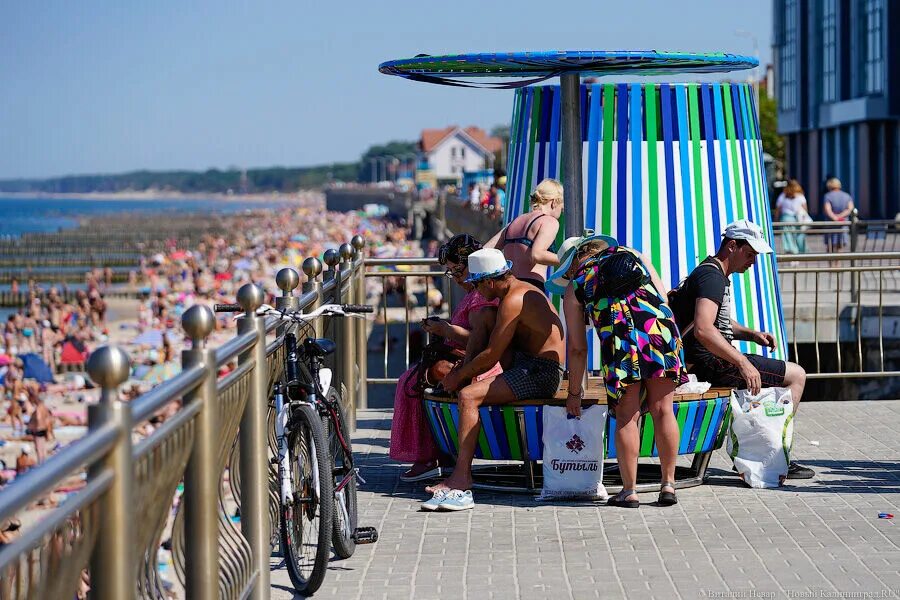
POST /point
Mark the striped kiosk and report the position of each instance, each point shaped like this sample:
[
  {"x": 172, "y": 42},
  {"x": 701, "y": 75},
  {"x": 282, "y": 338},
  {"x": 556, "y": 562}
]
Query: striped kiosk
[{"x": 662, "y": 167}]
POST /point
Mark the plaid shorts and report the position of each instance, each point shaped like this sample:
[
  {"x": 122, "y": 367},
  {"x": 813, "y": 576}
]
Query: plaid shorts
[{"x": 530, "y": 377}]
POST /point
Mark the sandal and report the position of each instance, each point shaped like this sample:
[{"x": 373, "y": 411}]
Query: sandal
[
  {"x": 667, "y": 498},
  {"x": 621, "y": 500}
]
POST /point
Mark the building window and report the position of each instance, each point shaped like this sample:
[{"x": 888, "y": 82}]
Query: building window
[
  {"x": 829, "y": 51},
  {"x": 462, "y": 152},
  {"x": 872, "y": 47},
  {"x": 789, "y": 56},
  {"x": 453, "y": 152}
]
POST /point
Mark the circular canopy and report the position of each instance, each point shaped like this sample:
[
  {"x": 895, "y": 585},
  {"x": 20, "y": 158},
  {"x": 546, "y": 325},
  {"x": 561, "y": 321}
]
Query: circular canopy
[{"x": 550, "y": 63}]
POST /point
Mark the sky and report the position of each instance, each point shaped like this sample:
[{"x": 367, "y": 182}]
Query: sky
[{"x": 108, "y": 87}]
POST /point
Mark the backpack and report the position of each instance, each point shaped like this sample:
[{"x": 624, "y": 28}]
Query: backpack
[
  {"x": 676, "y": 296},
  {"x": 614, "y": 274}
]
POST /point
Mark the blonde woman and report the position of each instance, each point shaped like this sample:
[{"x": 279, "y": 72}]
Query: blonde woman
[{"x": 527, "y": 240}]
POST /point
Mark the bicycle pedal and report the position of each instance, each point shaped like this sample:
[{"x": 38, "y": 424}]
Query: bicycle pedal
[{"x": 365, "y": 535}]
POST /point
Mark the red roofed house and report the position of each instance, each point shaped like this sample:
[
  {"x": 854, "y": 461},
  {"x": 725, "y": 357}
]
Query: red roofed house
[{"x": 452, "y": 150}]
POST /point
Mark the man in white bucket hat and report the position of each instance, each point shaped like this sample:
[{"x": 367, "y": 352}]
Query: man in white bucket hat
[{"x": 527, "y": 323}]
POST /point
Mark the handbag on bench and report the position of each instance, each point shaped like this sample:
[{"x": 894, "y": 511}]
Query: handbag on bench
[{"x": 438, "y": 359}]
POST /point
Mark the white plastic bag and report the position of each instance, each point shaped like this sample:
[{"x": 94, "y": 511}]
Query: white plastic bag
[
  {"x": 760, "y": 436},
  {"x": 573, "y": 454}
]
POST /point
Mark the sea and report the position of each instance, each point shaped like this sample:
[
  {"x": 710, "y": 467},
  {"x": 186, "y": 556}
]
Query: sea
[
  {"x": 47, "y": 214},
  {"x": 20, "y": 215}
]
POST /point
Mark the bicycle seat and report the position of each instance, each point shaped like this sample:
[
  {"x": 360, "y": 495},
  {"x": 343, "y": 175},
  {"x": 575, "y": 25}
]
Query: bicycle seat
[{"x": 319, "y": 346}]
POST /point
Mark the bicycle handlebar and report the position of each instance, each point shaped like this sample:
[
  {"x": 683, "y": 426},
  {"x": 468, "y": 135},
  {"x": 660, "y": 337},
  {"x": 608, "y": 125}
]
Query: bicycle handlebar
[
  {"x": 227, "y": 308},
  {"x": 357, "y": 308}
]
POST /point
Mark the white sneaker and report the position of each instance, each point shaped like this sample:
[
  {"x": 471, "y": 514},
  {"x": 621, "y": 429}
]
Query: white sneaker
[
  {"x": 438, "y": 497},
  {"x": 458, "y": 500}
]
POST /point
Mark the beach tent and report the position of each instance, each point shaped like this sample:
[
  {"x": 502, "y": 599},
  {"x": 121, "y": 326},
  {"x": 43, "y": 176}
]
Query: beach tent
[
  {"x": 35, "y": 368},
  {"x": 665, "y": 168}
]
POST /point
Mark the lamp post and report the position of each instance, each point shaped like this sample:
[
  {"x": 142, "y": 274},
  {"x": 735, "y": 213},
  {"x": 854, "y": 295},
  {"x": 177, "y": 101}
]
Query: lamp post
[{"x": 752, "y": 73}]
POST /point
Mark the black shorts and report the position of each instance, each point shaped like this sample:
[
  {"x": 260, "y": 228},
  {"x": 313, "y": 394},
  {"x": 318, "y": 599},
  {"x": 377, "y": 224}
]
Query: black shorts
[{"x": 721, "y": 373}]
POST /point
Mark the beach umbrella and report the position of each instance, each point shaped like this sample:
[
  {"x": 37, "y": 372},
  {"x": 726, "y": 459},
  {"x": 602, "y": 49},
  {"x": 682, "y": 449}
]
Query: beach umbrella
[
  {"x": 299, "y": 238},
  {"x": 5, "y": 359},
  {"x": 151, "y": 337},
  {"x": 223, "y": 276},
  {"x": 178, "y": 255},
  {"x": 243, "y": 264},
  {"x": 162, "y": 372}
]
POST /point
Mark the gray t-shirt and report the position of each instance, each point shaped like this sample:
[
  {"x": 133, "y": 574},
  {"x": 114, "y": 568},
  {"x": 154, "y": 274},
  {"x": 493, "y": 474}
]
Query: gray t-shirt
[{"x": 839, "y": 200}]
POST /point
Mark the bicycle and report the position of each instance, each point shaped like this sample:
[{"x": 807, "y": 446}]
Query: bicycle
[{"x": 316, "y": 512}]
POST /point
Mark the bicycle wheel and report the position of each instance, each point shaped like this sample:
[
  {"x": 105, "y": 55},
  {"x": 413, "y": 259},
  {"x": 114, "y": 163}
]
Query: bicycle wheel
[
  {"x": 345, "y": 508},
  {"x": 306, "y": 521}
]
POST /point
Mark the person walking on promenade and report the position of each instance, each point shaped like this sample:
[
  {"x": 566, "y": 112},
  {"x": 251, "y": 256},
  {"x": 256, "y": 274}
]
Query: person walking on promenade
[
  {"x": 702, "y": 307},
  {"x": 527, "y": 327},
  {"x": 618, "y": 291},
  {"x": 791, "y": 207},
  {"x": 527, "y": 240},
  {"x": 838, "y": 206},
  {"x": 411, "y": 439}
]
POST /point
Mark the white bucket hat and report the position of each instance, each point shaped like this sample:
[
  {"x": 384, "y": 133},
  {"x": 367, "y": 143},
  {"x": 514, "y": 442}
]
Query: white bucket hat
[
  {"x": 557, "y": 281},
  {"x": 747, "y": 230},
  {"x": 487, "y": 263}
]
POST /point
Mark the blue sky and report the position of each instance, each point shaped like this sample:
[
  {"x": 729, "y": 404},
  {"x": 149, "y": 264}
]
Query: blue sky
[{"x": 107, "y": 87}]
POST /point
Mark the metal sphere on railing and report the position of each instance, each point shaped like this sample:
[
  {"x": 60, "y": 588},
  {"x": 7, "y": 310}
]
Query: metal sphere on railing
[
  {"x": 250, "y": 297},
  {"x": 109, "y": 366},
  {"x": 198, "y": 322},
  {"x": 346, "y": 251},
  {"x": 331, "y": 258},
  {"x": 312, "y": 267},
  {"x": 287, "y": 280},
  {"x": 358, "y": 242}
]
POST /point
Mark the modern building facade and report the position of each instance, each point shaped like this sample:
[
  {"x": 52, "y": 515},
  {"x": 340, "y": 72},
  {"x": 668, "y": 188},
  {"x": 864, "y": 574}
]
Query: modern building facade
[{"x": 837, "y": 84}]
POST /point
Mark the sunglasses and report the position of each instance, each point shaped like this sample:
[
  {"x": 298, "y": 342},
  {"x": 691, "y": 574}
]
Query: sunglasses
[{"x": 454, "y": 271}]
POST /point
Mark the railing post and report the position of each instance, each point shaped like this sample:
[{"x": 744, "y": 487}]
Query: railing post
[
  {"x": 312, "y": 267},
  {"x": 331, "y": 259},
  {"x": 362, "y": 342},
  {"x": 254, "y": 454},
  {"x": 348, "y": 336},
  {"x": 201, "y": 479},
  {"x": 854, "y": 244},
  {"x": 287, "y": 280},
  {"x": 113, "y": 565}
]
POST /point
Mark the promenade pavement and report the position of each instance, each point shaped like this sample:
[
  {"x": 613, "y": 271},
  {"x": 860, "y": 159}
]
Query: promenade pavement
[{"x": 816, "y": 538}]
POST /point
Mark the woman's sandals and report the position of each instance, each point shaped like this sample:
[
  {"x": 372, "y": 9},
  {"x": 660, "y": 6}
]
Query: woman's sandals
[
  {"x": 667, "y": 498},
  {"x": 621, "y": 500}
]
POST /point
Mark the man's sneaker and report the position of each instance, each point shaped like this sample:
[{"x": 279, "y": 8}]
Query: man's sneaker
[
  {"x": 458, "y": 500},
  {"x": 438, "y": 497},
  {"x": 798, "y": 471}
]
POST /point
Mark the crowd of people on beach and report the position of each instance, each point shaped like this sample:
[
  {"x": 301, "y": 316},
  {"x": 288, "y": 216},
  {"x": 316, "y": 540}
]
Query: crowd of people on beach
[
  {"x": 43, "y": 409},
  {"x": 506, "y": 342}
]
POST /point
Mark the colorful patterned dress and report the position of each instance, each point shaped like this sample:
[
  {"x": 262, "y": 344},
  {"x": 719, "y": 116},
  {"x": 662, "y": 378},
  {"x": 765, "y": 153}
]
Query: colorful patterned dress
[{"x": 638, "y": 336}]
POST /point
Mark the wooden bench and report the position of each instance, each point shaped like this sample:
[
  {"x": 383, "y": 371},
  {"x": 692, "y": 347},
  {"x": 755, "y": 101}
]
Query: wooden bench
[{"x": 512, "y": 433}]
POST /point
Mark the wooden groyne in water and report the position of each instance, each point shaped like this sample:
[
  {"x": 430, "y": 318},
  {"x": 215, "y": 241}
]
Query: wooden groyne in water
[{"x": 117, "y": 242}]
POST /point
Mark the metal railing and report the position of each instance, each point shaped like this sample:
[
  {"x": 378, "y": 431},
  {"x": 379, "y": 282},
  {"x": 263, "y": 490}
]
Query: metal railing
[
  {"x": 835, "y": 302},
  {"x": 881, "y": 235},
  {"x": 109, "y": 531}
]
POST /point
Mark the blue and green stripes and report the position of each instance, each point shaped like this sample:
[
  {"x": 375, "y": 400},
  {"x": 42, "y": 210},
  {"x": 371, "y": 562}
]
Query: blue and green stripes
[
  {"x": 666, "y": 167},
  {"x": 516, "y": 432}
]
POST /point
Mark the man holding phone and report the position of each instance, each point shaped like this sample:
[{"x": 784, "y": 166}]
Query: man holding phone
[{"x": 702, "y": 308}]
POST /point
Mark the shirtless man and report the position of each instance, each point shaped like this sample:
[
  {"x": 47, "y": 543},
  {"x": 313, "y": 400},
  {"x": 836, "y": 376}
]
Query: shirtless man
[{"x": 527, "y": 323}]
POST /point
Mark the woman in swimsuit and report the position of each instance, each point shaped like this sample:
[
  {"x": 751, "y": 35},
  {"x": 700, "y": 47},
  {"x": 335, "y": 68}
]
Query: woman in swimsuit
[{"x": 527, "y": 240}]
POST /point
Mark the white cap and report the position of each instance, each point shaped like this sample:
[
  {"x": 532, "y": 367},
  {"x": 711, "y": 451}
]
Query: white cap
[
  {"x": 26, "y": 450},
  {"x": 746, "y": 230},
  {"x": 487, "y": 263}
]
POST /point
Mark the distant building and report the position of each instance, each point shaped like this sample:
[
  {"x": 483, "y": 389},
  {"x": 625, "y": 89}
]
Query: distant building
[
  {"x": 450, "y": 151},
  {"x": 837, "y": 84}
]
